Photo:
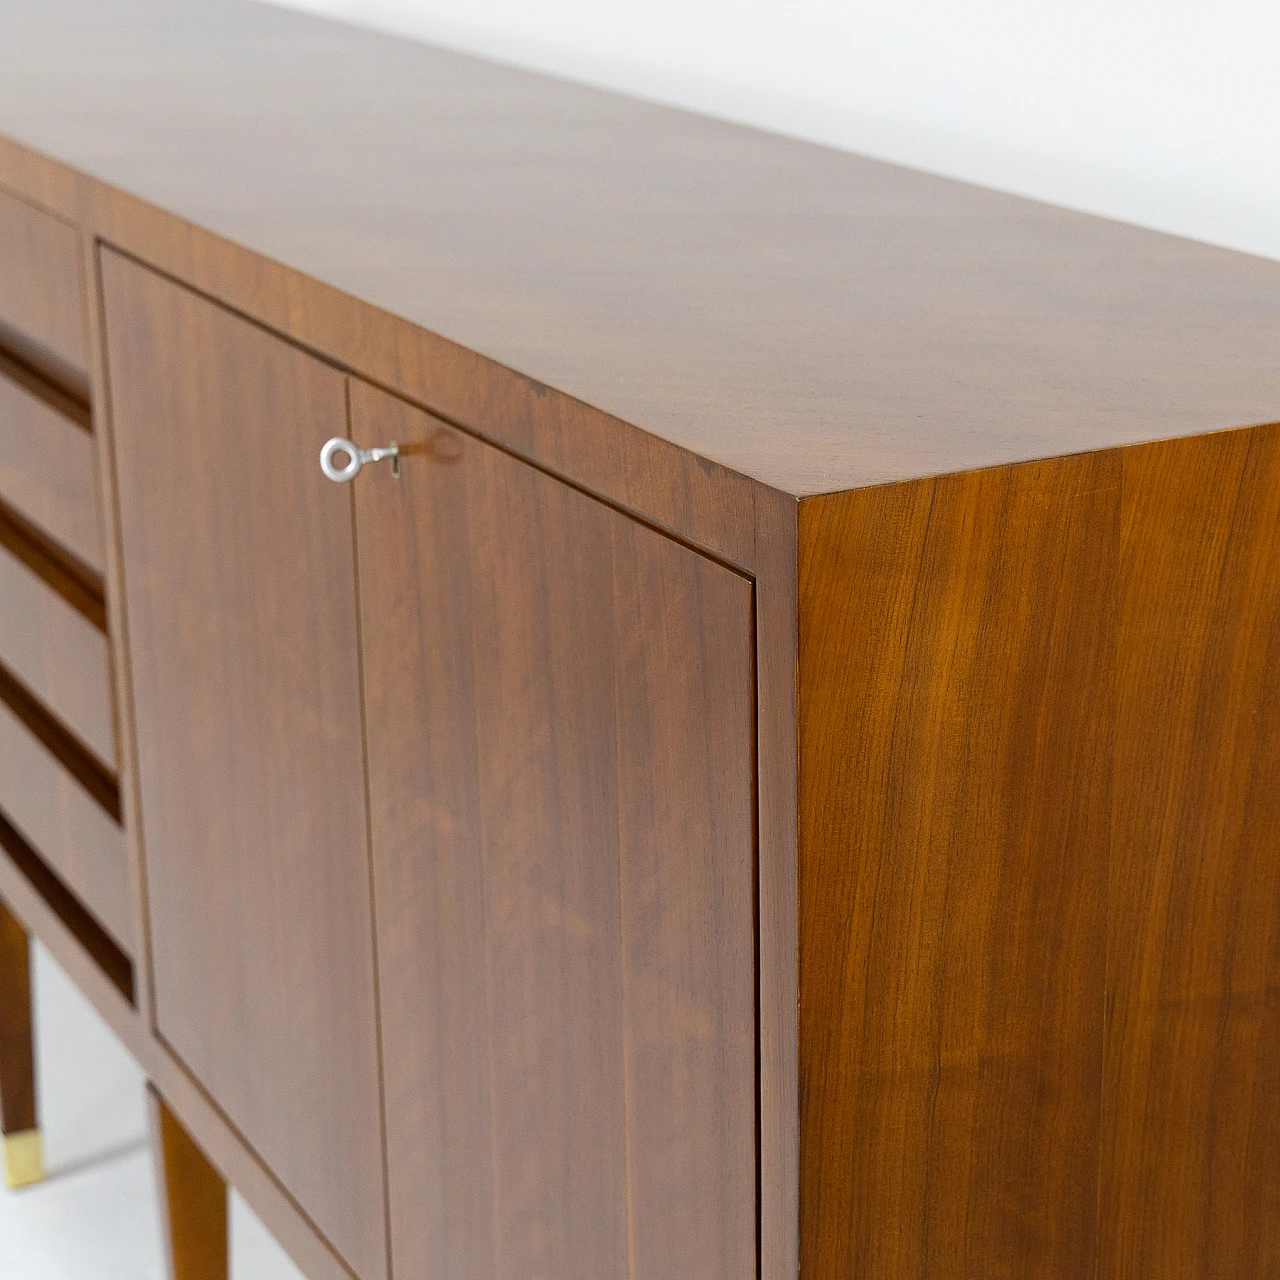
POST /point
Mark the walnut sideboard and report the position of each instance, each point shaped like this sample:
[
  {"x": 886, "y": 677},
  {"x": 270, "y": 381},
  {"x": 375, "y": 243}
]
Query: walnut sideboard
[{"x": 771, "y": 766}]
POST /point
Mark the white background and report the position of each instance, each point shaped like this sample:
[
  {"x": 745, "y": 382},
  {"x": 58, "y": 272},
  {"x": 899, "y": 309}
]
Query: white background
[{"x": 1161, "y": 112}]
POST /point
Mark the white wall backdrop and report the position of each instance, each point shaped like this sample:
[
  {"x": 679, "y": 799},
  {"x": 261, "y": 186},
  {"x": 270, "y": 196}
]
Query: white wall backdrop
[{"x": 1161, "y": 112}]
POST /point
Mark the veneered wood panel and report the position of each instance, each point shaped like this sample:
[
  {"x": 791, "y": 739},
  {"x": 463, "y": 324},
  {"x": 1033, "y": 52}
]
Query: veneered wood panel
[
  {"x": 560, "y": 752},
  {"x": 239, "y": 583},
  {"x": 41, "y": 303},
  {"x": 69, "y": 829},
  {"x": 682, "y": 635},
  {"x": 47, "y": 471},
  {"x": 1191, "y": 1153},
  {"x": 738, "y": 519},
  {"x": 58, "y": 655},
  {"x": 956, "y": 686},
  {"x": 814, "y": 319}
]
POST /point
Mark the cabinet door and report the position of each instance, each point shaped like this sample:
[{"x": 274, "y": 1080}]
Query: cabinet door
[
  {"x": 561, "y": 779},
  {"x": 239, "y": 583}
]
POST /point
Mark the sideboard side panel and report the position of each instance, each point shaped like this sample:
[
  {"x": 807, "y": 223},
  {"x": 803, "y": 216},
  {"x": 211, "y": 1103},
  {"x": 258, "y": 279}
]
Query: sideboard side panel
[
  {"x": 956, "y": 677},
  {"x": 1191, "y": 1132}
]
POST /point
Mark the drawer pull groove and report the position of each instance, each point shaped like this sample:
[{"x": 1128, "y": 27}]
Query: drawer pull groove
[
  {"x": 75, "y": 582},
  {"x": 62, "y": 744},
  {"x": 108, "y": 956}
]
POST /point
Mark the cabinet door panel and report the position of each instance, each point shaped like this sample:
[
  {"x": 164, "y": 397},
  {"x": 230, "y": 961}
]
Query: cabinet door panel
[
  {"x": 560, "y": 753},
  {"x": 239, "y": 589}
]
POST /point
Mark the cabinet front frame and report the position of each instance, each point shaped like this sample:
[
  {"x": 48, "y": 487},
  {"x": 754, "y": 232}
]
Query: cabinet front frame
[{"x": 741, "y": 524}]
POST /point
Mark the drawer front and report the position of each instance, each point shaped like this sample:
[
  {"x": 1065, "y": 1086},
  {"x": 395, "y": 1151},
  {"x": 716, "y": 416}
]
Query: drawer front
[
  {"x": 41, "y": 306},
  {"x": 67, "y": 827},
  {"x": 59, "y": 655},
  {"x": 48, "y": 472}
]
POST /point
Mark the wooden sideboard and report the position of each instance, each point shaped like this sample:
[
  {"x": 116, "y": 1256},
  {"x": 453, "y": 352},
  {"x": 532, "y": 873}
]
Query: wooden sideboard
[{"x": 779, "y": 772}]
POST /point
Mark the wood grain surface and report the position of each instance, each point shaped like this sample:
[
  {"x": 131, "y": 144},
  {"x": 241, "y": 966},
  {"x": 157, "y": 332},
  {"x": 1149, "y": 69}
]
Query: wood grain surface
[
  {"x": 193, "y": 1200},
  {"x": 1040, "y": 897},
  {"x": 239, "y": 583},
  {"x": 41, "y": 300},
  {"x": 47, "y": 470},
  {"x": 73, "y": 833},
  {"x": 813, "y": 319},
  {"x": 560, "y": 710},
  {"x": 1191, "y": 1155},
  {"x": 224, "y": 1148},
  {"x": 82, "y": 589},
  {"x": 17, "y": 1045},
  {"x": 982, "y": 330},
  {"x": 955, "y": 672},
  {"x": 736, "y": 518},
  {"x": 59, "y": 656}
]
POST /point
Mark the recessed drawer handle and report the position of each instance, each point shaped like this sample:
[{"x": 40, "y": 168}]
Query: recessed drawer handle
[{"x": 356, "y": 458}]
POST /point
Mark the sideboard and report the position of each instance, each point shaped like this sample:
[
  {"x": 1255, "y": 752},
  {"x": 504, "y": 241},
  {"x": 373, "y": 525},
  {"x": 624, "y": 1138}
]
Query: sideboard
[{"x": 597, "y": 693}]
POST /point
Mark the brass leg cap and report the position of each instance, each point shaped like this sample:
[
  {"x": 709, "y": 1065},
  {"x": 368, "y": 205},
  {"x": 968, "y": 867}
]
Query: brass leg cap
[{"x": 23, "y": 1158}]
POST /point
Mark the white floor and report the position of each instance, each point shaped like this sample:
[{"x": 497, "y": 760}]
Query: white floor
[{"x": 95, "y": 1217}]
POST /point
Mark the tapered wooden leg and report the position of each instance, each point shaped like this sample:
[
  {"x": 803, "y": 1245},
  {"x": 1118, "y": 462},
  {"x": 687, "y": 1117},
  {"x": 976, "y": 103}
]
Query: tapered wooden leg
[
  {"x": 193, "y": 1200},
  {"x": 23, "y": 1149}
]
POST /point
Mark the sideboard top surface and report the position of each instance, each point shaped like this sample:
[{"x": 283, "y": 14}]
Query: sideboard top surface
[{"x": 814, "y": 319}]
